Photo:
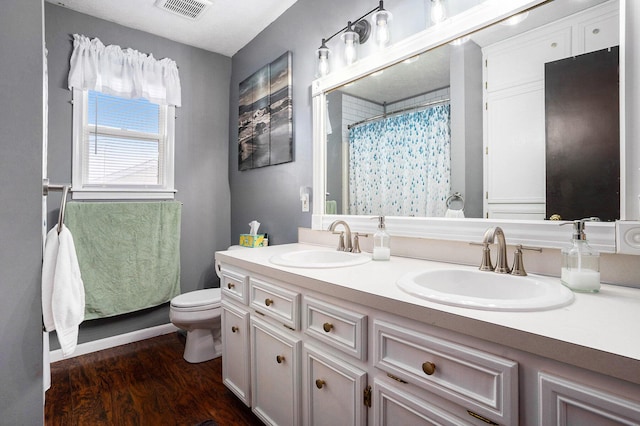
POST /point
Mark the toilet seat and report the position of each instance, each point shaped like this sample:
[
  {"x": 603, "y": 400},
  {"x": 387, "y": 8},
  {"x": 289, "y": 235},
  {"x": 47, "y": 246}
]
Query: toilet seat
[{"x": 198, "y": 300}]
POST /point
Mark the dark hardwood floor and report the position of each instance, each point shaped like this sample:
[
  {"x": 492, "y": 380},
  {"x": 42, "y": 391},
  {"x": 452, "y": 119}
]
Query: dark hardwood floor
[{"x": 142, "y": 383}]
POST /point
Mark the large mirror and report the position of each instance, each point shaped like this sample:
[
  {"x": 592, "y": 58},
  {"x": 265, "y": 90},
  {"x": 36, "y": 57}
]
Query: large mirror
[
  {"x": 480, "y": 127},
  {"x": 499, "y": 116}
]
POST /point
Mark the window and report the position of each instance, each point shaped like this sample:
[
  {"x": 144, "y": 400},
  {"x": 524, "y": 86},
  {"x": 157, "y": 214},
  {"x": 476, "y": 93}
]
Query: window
[{"x": 122, "y": 148}]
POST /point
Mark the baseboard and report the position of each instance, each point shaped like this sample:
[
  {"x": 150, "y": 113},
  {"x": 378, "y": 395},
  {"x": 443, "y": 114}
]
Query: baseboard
[{"x": 113, "y": 341}]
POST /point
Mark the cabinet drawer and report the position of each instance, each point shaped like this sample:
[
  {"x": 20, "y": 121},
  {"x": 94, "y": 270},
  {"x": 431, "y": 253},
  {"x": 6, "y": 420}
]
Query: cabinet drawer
[
  {"x": 275, "y": 302},
  {"x": 234, "y": 285},
  {"x": 393, "y": 406},
  {"x": 480, "y": 382},
  {"x": 341, "y": 328}
]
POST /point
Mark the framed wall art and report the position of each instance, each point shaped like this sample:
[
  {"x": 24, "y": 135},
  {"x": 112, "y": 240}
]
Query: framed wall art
[{"x": 265, "y": 120}]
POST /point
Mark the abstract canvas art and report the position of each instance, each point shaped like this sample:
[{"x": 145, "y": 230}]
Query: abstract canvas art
[{"x": 265, "y": 128}]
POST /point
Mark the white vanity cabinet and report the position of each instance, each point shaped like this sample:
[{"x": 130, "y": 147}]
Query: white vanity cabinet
[
  {"x": 235, "y": 350},
  {"x": 275, "y": 352},
  {"x": 235, "y": 334},
  {"x": 312, "y": 357},
  {"x": 335, "y": 349},
  {"x": 393, "y": 404},
  {"x": 275, "y": 374},
  {"x": 334, "y": 390},
  {"x": 484, "y": 386},
  {"x": 565, "y": 402}
]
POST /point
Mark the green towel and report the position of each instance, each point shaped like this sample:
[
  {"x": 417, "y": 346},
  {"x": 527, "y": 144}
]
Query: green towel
[
  {"x": 331, "y": 207},
  {"x": 129, "y": 254}
]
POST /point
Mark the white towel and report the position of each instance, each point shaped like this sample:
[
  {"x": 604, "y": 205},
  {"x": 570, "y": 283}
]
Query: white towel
[
  {"x": 62, "y": 289},
  {"x": 454, "y": 213}
]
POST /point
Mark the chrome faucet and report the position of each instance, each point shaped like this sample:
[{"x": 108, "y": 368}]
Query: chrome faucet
[
  {"x": 342, "y": 245},
  {"x": 502, "y": 266}
]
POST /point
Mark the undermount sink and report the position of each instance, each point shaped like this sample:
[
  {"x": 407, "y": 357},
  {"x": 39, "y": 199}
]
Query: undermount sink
[
  {"x": 486, "y": 290},
  {"x": 319, "y": 259}
]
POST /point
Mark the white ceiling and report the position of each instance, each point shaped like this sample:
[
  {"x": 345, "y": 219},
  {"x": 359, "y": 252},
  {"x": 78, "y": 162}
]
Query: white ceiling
[{"x": 225, "y": 27}]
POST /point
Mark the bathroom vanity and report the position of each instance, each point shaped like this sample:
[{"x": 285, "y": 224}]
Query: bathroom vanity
[{"x": 346, "y": 345}]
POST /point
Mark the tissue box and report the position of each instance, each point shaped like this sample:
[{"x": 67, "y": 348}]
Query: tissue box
[{"x": 247, "y": 240}]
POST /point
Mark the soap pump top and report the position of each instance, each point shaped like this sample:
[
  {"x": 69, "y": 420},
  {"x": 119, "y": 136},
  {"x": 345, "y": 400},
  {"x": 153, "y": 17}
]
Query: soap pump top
[
  {"x": 580, "y": 262},
  {"x": 381, "y": 242}
]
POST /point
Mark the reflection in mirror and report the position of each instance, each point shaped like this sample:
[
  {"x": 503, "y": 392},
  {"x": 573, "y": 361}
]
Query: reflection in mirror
[{"x": 472, "y": 118}]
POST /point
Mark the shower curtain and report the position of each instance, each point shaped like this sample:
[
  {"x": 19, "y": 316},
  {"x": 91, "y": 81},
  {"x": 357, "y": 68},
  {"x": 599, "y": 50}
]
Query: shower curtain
[{"x": 401, "y": 165}]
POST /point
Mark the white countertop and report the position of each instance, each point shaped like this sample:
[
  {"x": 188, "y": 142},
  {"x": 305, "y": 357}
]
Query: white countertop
[{"x": 600, "y": 331}]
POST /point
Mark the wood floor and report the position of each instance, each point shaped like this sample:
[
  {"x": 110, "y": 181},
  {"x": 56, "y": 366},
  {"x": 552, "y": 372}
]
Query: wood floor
[{"x": 142, "y": 383}]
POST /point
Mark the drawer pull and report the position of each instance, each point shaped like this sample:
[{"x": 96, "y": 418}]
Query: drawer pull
[
  {"x": 230, "y": 286},
  {"x": 280, "y": 359},
  {"x": 327, "y": 327},
  {"x": 234, "y": 329},
  {"x": 320, "y": 383},
  {"x": 268, "y": 302},
  {"x": 429, "y": 368}
]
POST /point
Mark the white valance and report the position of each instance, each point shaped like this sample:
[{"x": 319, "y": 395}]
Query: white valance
[{"x": 123, "y": 72}]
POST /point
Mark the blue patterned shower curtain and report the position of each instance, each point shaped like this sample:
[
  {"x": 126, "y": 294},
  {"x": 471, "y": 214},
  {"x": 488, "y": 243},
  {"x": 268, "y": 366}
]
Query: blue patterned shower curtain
[{"x": 401, "y": 165}]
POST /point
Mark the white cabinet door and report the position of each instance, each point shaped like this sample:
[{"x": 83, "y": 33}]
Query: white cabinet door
[
  {"x": 235, "y": 351},
  {"x": 567, "y": 403},
  {"x": 516, "y": 146},
  {"x": 334, "y": 390},
  {"x": 275, "y": 374}
]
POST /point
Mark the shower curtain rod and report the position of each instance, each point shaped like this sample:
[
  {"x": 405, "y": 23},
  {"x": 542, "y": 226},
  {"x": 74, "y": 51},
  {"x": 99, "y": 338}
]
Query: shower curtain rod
[{"x": 399, "y": 111}]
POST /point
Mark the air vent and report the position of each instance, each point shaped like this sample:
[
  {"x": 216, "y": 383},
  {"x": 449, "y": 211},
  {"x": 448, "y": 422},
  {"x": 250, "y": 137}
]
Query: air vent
[{"x": 190, "y": 9}]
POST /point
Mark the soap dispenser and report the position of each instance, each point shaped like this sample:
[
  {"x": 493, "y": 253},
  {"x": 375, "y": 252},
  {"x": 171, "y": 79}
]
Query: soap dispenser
[
  {"x": 580, "y": 263},
  {"x": 381, "y": 242}
]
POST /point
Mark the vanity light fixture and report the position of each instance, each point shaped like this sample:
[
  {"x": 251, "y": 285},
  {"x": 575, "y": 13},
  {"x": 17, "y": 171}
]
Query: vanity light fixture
[
  {"x": 355, "y": 33},
  {"x": 351, "y": 40},
  {"x": 438, "y": 11},
  {"x": 381, "y": 21},
  {"x": 323, "y": 59}
]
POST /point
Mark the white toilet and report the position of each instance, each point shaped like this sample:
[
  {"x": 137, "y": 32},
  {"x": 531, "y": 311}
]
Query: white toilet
[{"x": 198, "y": 312}]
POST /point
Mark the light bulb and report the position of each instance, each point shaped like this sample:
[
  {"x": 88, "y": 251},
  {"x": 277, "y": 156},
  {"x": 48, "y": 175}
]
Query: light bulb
[
  {"x": 438, "y": 11},
  {"x": 350, "y": 53},
  {"x": 351, "y": 40},
  {"x": 381, "y": 21},
  {"x": 323, "y": 60}
]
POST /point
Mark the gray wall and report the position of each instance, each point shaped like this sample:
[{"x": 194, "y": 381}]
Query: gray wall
[
  {"x": 334, "y": 149},
  {"x": 201, "y": 157},
  {"x": 271, "y": 194},
  {"x": 466, "y": 126},
  {"x": 20, "y": 211}
]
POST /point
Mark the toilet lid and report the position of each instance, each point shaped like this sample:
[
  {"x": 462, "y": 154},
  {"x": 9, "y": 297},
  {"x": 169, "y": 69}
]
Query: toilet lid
[{"x": 207, "y": 297}]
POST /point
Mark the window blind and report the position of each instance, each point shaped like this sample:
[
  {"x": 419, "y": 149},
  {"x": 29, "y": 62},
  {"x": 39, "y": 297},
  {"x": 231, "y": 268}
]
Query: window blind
[{"x": 124, "y": 141}]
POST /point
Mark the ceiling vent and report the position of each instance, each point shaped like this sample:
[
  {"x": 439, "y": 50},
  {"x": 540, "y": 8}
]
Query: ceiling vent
[{"x": 190, "y": 9}]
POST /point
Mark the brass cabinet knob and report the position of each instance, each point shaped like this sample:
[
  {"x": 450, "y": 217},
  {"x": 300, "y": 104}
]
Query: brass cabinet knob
[
  {"x": 280, "y": 359},
  {"x": 320, "y": 383},
  {"x": 230, "y": 286},
  {"x": 429, "y": 368},
  {"x": 268, "y": 302},
  {"x": 327, "y": 327},
  {"x": 234, "y": 329}
]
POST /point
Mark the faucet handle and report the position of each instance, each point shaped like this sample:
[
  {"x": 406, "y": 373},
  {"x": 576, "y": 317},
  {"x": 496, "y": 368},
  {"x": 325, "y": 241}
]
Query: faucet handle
[
  {"x": 341, "y": 246},
  {"x": 356, "y": 242},
  {"x": 485, "y": 264},
  {"x": 518, "y": 265}
]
